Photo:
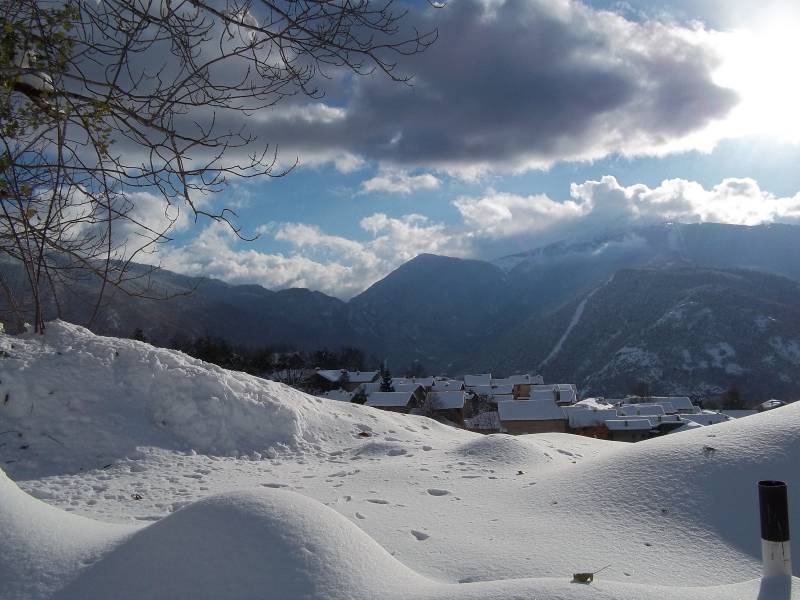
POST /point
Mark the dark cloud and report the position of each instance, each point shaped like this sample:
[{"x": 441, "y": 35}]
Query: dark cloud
[{"x": 519, "y": 83}]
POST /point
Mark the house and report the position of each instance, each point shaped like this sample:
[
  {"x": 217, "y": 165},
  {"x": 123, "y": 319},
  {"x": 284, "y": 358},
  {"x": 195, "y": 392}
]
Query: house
[
  {"x": 340, "y": 395},
  {"x": 471, "y": 381},
  {"x": 631, "y": 429},
  {"x": 563, "y": 394},
  {"x": 588, "y": 421},
  {"x": 425, "y": 382},
  {"x": 770, "y": 404},
  {"x": 640, "y": 410},
  {"x": 707, "y": 418},
  {"x": 487, "y": 422},
  {"x": 400, "y": 402},
  {"x": 682, "y": 404},
  {"x": 352, "y": 379},
  {"x": 324, "y": 380},
  {"x": 521, "y": 384},
  {"x": 447, "y": 385},
  {"x": 416, "y": 390},
  {"x": 532, "y": 416},
  {"x": 372, "y": 386},
  {"x": 448, "y": 405},
  {"x": 492, "y": 391},
  {"x": 739, "y": 414},
  {"x": 566, "y": 393}
]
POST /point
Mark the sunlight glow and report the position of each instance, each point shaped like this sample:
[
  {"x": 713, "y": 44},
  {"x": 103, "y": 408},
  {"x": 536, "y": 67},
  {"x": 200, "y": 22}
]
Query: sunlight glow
[{"x": 761, "y": 65}]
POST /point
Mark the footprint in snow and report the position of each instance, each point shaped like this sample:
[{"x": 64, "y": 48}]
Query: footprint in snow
[
  {"x": 438, "y": 492},
  {"x": 420, "y": 535},
  {"x": 396, "y": 452},
  {"x": 274, "y": 485},
  {"x": 377, "y": 501},
  {"x": 360, "y": 516}
]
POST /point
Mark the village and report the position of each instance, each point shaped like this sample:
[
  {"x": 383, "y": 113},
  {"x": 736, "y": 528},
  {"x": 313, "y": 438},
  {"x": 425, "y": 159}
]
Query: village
[{"x": 519, "y": 404}]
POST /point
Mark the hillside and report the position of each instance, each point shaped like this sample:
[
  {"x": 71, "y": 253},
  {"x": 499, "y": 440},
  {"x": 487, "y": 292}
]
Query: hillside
[
  {"x": 190, "y": 481},
  {"x": 679, "y": 330},
  {"x": 448, "y": 315}
]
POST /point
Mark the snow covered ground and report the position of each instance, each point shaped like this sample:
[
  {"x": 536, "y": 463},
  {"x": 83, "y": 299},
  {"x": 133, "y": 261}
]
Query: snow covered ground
[{"x": 160, "y": 476}]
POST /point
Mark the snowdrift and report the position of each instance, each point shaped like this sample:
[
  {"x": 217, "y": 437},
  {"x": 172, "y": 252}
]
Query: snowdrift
[
  {"x": 268, "y": 544},
  {"x": 77, "y": 401},
  {"x": 41, "y": 546},
  {"x": 255, "y": 544},
  {"x": 253, "y": 490}
]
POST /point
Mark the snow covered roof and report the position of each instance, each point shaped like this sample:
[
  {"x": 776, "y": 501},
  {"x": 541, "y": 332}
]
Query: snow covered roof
[
  {"x": 447, "y": 384},
  {"x": 687, "y": 425},
  {"x": 361, "y": 376},
  {"x": 493, "y": 390},
  {"x": 517, "y": 380},
  {"x": 341, "y": 395},
  {"x": 669, "y": 407},
  {"x": 769, "y": 404},
  {"x": 543, "y": 394},
  {"x": 566, "y": 391},
  {"x": 373, "y": 386},
  {"x": 643, "y": 410},
  {"x": 482, "y": 379},
  {"x": 596, "y": 403},
  {"x": 449, "y": 399},
  {"x": 530, "y": 410},
  {"x": 502, "y": 398},
  {"x": 586, "y": 417},
  {"x": 738, "y": 414},
  {"x": 707, "y": 418},
  {"x": 406, "y": 387},
  {"x": 332, "y": 375},
  {"x": 388, "y": 399},
  {"x": 681, "y": 403},
  {"x": 633, "y": 424}
]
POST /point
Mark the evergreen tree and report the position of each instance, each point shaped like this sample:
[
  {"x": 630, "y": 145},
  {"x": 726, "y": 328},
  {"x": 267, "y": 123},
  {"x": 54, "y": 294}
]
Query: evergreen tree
[{"x": 386, "y": 381}]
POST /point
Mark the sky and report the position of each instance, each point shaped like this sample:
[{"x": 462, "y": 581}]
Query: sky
[{"x": 527, "y": 122}]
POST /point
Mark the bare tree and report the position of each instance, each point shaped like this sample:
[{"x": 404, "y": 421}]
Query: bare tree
[{"x": 101, "y": 100}]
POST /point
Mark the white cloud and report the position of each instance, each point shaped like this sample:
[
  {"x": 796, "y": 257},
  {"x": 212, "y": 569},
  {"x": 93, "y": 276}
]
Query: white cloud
[
  {"x": 332, "y": 264},
  {"x": 501, "y": 222},
  {"x": 491, "y": 225},
  {"x": 399, "y": 182}
]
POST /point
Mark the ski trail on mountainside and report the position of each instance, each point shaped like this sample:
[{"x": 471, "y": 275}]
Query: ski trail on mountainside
[{"x": 576, "y": 318}]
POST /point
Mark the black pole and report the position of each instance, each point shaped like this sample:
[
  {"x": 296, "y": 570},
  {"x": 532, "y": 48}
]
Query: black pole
[
  {"x": 774, "y": 504},
  {"x": 776, "y": 552}
]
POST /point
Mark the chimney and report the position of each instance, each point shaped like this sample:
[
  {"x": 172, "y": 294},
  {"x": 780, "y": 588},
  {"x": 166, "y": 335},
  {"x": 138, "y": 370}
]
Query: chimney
[{"x": 775, "y": 547}]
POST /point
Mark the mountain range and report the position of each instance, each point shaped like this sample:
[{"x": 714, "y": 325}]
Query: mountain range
[{"x": 680, "y": 308}]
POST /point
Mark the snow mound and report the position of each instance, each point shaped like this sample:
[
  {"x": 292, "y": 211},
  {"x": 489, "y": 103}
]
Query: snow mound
[
  {"x": 699, "y": 485},
  {"x": 82, "y": 402},
  {"x": 249, "y": 544},
  {"x": 528, "y": 451},
  {"x": 41, "y": 545}
]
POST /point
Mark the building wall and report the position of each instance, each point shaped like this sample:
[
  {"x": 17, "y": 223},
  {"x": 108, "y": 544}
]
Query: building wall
[
  {"x": 598, "y": 431},
  {"x": 519, "y": 427},
  {"x": 521, "y": 390}
]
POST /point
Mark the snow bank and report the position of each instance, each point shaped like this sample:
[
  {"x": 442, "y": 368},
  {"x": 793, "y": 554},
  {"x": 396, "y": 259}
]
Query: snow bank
[
  {"x": 265, "y": 545},
  {"x": 79, "y": 401},
  {"x": 41, "y": 546},
  {"x": 389, "y": 506},
  {"x": 254, "y": 544}
]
